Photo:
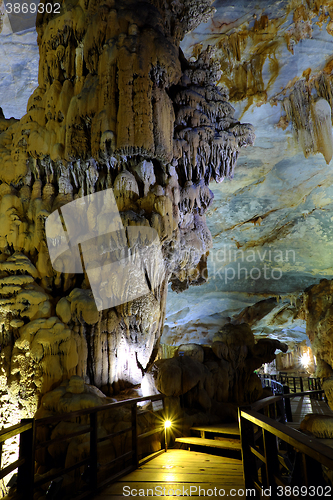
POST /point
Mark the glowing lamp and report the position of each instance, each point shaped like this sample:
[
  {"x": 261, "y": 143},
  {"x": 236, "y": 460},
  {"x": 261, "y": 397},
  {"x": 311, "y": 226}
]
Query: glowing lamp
[
  {"x": 167, "y": 425},
  {"x": 305, "y": 360}
]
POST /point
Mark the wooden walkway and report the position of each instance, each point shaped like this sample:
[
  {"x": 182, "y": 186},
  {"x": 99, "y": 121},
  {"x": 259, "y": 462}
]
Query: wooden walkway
[
  {"x": 180, "y": 473},
  {"x": 188, "y": 473},
  {"x": 301, "y": 406}
]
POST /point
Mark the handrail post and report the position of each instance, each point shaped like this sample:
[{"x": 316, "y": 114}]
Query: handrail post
[
  {"x": 325, "y": 398},
  {"x": 311, "y": 387},
  {"x": 287, "y": 404},
  {"x": 26, "y": 472},
  {"x": 250, "y": 472},
  {"x": 301, "y": 383},
  {"x": 295, "y": 384},
  {"x": 135, "y": 435},
  {"x": 93, "y": 450},
  {"x": 272, "y": 461}
]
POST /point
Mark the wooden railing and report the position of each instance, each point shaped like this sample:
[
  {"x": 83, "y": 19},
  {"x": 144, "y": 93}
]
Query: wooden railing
[
  {"x": 278, "y": 460},
  {"x": 273, "y": 454},
  {"x": 277, "y": 387},
  {"x": 24, "y": 430},
  {"x": 295, "y": 383},
  {"x": 88, "y": 470}
]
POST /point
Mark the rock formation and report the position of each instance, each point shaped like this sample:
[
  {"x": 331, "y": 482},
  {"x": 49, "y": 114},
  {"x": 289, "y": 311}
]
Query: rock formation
[
  {"x": 320, "y": 426},
  {"x": 211, "y": 379},
  {"x": 311, "y": 116},
  {"x": 317, "y": 310},
  {"x": 256, "y": 43},
  {"x": 117, "y": 107}
]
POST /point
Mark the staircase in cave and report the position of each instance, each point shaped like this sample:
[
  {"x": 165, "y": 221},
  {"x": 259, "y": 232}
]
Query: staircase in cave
[{"x": 213, "y": 438}]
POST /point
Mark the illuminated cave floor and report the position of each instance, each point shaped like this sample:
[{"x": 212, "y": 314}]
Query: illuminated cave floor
[{"x": 180, "y": 470}]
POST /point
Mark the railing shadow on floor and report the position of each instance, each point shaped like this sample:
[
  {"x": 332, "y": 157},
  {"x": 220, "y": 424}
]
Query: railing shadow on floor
[
  {"x": 278, "y": 461},
  {"x": 89, "y": 475}
]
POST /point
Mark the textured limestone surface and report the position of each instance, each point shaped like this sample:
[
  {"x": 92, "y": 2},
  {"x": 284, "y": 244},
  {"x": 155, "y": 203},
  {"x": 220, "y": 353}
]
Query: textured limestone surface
[
  {"x": 274, "y": 218},
  {"x": 278, "y": 200},
  {"x": 118, "y": 107},
  {"x": 317, "y": 310},
  {"x": 321, "y": 426},
  {"x": 211, "y": 379}
]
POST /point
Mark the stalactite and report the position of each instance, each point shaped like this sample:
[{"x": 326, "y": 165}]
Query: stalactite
[
  {"x": 116, "y": 109},
  {"x": 206, "y": 132},
  {"x": 311, "y": 116}
]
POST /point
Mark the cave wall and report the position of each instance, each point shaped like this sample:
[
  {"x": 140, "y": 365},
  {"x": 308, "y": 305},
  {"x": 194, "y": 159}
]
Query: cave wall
[
  {"x": 117, "y": 107},
  {"x": 299, "y": 360},
  {"x": 317, "y": 310},
  {"x": 271, "y": 226}
]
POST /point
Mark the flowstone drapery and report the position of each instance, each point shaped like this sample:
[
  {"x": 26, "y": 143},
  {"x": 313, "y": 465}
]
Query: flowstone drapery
[{"x": 117, "y": 107}]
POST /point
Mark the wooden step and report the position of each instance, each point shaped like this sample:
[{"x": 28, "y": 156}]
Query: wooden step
[
  {"x": 227, "y": 429},
  {"x": 225, "y": 444}
]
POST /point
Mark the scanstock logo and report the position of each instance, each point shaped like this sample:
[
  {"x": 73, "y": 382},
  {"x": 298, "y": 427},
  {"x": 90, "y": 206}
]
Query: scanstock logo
[{"x": 122, "y": 264}]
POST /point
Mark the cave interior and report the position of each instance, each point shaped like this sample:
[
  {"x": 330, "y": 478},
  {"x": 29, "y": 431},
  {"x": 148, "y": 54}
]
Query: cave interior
[{"x": 166, "y": 210}]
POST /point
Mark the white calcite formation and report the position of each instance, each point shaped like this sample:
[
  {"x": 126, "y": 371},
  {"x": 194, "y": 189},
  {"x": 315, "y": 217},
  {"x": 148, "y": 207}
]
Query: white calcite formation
[{"x": 116, "y": 107}]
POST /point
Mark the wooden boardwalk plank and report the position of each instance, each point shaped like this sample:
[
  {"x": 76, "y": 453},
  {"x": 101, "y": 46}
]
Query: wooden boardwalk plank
[
  {"x": 184, "y": 477},
  {"x": 180, "y": 470},
  {"x": 301, "y": 406},
  {"x": 194, "y": 467},
  {"x": 209, "y": 459},
  {"x": 226, "y": 444},
  {"x": 232, "y": 429}
]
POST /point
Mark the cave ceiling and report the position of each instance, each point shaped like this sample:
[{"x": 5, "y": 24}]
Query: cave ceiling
[{"x": 272, "y": 223}]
